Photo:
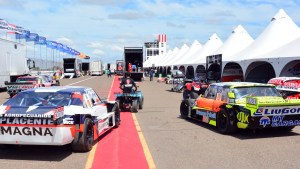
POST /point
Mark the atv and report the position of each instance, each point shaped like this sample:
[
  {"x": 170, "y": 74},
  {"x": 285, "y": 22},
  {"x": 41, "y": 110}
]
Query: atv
[
  {"x": 130, "y": 101},
  {"x": 193, "y": 88}
]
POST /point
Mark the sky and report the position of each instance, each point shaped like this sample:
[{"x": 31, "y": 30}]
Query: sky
[{"x": 102, "y": 28}]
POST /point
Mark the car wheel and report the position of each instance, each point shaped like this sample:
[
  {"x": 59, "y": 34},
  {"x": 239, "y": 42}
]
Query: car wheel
[
  {"x": 116, "y": 110},
  {"x": 185, "y": 108},
  {"x": 194, "y": 95},
  {"x": 83, "y": 141},
  {"x": 134, "y": 106},
  {"x": 225, "y": 122},
  {"x": 141, "y": 102}
]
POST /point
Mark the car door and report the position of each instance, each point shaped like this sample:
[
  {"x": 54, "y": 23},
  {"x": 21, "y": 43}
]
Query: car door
[
  {"x": 207, "y": 100},
  {"x": 99, "y": 108}
]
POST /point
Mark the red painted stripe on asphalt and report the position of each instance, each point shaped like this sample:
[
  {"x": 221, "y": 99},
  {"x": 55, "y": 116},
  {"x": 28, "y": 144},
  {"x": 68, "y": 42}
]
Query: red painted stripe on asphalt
[{"x": 121, "y": 148}]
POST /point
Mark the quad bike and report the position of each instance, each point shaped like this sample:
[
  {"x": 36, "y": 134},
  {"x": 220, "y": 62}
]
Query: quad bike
[
  {"x": 130, "y": 101},
  {"x": 193, "y": 88}
]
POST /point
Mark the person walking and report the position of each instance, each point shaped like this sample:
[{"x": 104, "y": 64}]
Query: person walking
[
  {"x": 108, "y": 73},
  {"x": 151, "y": 73}
]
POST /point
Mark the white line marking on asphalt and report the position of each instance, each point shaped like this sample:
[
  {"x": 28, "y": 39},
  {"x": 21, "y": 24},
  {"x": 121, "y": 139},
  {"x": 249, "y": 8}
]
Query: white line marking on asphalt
[{"x": 80, "y": 81}]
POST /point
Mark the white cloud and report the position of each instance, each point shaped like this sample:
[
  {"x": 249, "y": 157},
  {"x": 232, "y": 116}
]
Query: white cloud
[
  {"x": 65, "y": 41},
  {"x": 95, "y": 45},
  {"x": 98, "y": 52}
]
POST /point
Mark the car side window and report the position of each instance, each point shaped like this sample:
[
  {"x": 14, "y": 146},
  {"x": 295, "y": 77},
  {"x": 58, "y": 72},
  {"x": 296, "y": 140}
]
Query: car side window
[
  {"x": 87, "y": 100},
  {"x": 225, "y": 94},
  {"x": 210, "y": 93},
  {"x": 95, "y": 97}
]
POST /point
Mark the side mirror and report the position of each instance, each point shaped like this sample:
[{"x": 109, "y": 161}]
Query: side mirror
[{"x": 231, "y": 95}]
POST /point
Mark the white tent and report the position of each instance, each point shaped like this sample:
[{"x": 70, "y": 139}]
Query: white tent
[
  {"x": 213, "y": 43},
  {"x": 181, "y": 52},
  {"x": 279, "y": 32},
  {"x": 196, "y": 46},
  {"x": 150, "y": 61},
  {"x": 167, "y": 57},
  {"x": 237, "y": 41}
]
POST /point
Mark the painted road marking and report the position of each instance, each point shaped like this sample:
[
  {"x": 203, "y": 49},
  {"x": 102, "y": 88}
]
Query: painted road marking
[
  {"x": 80, "y": 81},
  {"x": 147, "y": 152},
  {"x": 90, "y": 159}
]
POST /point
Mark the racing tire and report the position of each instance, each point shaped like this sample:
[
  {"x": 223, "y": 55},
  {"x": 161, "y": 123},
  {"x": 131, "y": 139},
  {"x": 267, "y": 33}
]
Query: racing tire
[
  {"x": 116, "y": 110},
  {"x": 226, "y": 122},
  {"x": 83, "y": 141},
  {"x": 134, "y": 106},
  {"x": 185, "y": 108},
  {"x": 194, "y": 95},
  {"x": 141, "y": 102}
]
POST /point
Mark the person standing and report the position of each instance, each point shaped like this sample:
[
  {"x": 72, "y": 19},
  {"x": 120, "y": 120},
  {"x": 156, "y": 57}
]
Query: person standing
[
  {"x": 151, "y": 73},
  {"x": 108, "y": 73}
]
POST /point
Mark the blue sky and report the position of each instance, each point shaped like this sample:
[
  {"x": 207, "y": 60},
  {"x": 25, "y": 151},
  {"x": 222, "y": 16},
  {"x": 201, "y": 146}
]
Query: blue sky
[{"x": 101, "y": 28}]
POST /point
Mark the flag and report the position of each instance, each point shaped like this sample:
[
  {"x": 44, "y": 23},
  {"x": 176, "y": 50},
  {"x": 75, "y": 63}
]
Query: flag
[
  {"x": 40, "y": 41},
  {"x": 60, "y": 47},
  {"x": 24, "y": 35},
  {"x": 51, "y": 44},
  {"x": 3, "y": 24},
  {"x": 32, "y": 37}
]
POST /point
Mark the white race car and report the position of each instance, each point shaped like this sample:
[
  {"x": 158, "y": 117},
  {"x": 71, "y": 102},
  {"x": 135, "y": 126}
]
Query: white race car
[{"x": 57, "y": 116}]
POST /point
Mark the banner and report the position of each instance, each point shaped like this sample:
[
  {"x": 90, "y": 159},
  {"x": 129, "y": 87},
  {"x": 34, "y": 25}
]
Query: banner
[
  {"x": 24, "y": 35},
  {"x": 60, "y": 47},
  {"x": 13, "y": 29},
  {"x": 41, "y": 41},
  {"x": 3, "y": 24},
  {"x": 51, "y": 44},
  {"x": 32, "y": 37}
]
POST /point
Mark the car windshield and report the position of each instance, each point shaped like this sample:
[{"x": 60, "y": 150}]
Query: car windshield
[
  {"x": 242, "y": 92},
  {"x": 43, "y": 99},
  {"x": 26, "y": 79}
]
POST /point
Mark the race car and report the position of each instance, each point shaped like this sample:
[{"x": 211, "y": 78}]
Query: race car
[
  {"x": 242, "y": 105},
  {"x": 289, "y": 87},
  {"x": 27, "y": 82},
  {"x": 57, "y": 116}
]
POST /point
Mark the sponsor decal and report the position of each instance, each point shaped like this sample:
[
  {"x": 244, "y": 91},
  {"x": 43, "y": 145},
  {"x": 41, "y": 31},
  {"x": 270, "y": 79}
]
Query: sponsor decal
[
  {"x": 264, "y": 121},
  {"x": 30, "y": 121},
  {"x": 27, "y": 115},
  {"x": 251, "y": 101},
  {"x": 58, "y": 113},
  {"x": 207, "y": 114},
  {"x": 68, "y": 121},
  {"x": 271, "y": 111},
  {"x": 242, "y": 117},
  {"x": 102, "y": 124},
  {"x": 277, "y": 121},
  {"x": 27, "y": 131}
]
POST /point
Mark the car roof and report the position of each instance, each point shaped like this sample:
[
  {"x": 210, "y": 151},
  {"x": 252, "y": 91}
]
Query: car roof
[
  {"x": 241, "y": 84},
  {"x": 65, "y": 89}
]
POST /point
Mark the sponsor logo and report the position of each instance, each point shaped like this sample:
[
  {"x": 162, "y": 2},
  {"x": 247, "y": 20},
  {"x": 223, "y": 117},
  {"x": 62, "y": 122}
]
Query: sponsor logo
[
  {"x": 27, "y": 131},
  {"x": 277, "y": 121},
  {"x": 59, "y": 113},
  {"x": 27, "y": 115},
  {"x": 242, "y": 117},
  {"x": 277, "y": 111},
  {"x": 264, "y": 121},
  {"x": 207, "y": 114},
  {"x": 251, "y": 101},
  {"x": 30, "y": 121},
  {"x": 68, "y": 121}
]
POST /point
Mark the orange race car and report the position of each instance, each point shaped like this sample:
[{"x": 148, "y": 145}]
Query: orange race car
[{"x": 242, "y": 105}]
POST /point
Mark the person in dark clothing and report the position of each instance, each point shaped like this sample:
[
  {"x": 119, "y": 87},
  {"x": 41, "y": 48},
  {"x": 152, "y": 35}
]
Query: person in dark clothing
[
  {"x": 151, "y": 73},
  {"x": 127, "y": 84}
]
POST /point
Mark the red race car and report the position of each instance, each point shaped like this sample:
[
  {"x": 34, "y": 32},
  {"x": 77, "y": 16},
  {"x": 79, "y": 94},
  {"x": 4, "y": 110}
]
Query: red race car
[{"x": 289, "y": 87}]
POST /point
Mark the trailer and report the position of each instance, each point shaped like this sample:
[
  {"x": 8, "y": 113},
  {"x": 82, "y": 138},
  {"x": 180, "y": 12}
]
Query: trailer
[
  {"x": 14, "y": 62},
  {"x": 96, "y": 68},
  {"x": 71, "y": 67},
  {"x": 119, "y": 67},
  {"x": 133, "y": 59},
  {"x": 85, "y": 68}
]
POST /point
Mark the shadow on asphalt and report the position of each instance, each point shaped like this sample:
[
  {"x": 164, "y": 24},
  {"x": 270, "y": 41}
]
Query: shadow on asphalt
[
  {"x": 35, "y": 152},
  {"x": 249, "y": 134}
]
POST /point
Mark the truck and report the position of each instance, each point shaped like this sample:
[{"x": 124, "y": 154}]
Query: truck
[
  {"x": 120, "y": 67},
  {"x": 71, "y": 67},
  {"x": 133, "y": 59},
  {"x": 96, "y": 68},
  {"x": 14, "y": 62},
  {"x": 85, "y": 68}
]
